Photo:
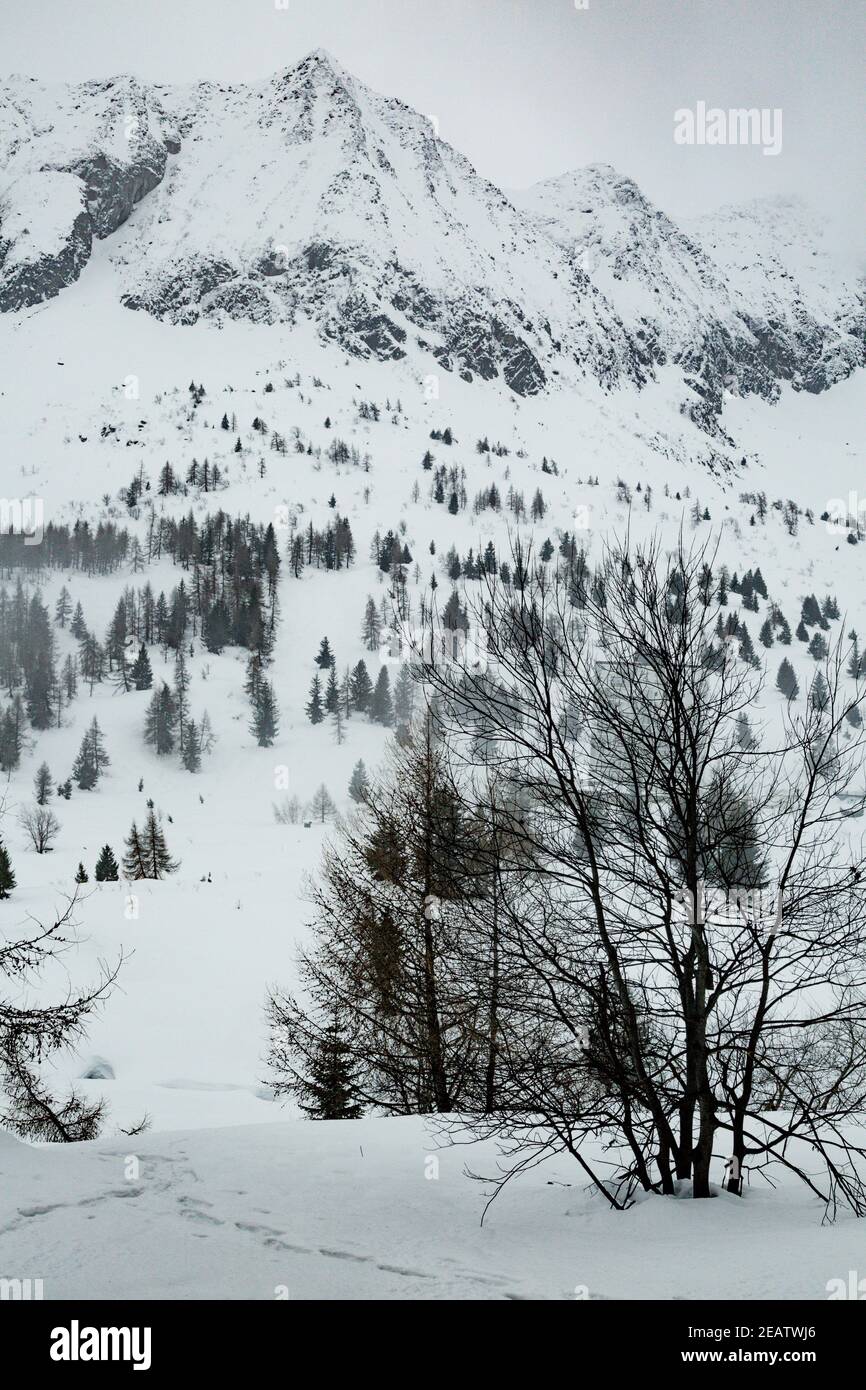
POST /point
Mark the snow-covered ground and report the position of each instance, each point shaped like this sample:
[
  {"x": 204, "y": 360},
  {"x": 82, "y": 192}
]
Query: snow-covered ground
[{"x": 376, "y": 1209}]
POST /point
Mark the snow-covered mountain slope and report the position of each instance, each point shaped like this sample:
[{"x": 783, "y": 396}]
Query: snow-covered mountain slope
[
  {"x": 802, "y": 301},
  {"x": 75, "y": 160},
  {"x": 741, "y": 302},
  {"x": 311, "y": 197}
]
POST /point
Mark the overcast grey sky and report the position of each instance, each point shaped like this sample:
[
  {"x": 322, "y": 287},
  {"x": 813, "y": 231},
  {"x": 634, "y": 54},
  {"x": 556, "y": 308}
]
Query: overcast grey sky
[{"x": 525, "y": 90}]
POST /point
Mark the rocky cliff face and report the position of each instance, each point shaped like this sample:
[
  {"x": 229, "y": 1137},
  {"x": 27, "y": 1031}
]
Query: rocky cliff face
[
  {"x": 803, "y": 305},
  {"x": 740, "y": 302},
  {"x": 76, "y": 160},
  {"x": 45, "y": 238},
  {"x": 310, "y": 196}
]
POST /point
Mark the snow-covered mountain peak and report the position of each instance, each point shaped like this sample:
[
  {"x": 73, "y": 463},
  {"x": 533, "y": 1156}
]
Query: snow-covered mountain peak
[{"x": 311, "y": 196}]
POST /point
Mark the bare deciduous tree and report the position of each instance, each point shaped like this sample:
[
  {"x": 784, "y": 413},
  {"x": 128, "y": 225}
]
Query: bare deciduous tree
[
  {"x": 656, "y": 1026},
  {"x": 42, "y": 826}
]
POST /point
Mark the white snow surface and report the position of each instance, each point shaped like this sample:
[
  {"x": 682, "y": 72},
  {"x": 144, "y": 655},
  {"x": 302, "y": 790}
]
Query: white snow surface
[{"x": 384, "y": 1209}]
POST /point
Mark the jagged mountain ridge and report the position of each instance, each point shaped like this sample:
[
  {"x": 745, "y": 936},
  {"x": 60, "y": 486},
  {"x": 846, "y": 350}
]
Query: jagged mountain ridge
[
  {"x": 735, "y": 304},
  {"x": 311, "y": 196}
]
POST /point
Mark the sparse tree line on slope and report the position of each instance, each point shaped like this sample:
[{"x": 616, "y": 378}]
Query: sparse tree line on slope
[{"x": 355, "y": 693}]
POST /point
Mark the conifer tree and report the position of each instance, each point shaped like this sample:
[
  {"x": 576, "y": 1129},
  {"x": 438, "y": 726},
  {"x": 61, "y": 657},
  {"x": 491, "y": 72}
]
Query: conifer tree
[
  {"x": 371, "y": 627},
  {"x": 43, "y": 784},
  {"x": 133, "y": 860},
  {"x": 217, "y": 627},
  {"x": 91, "y": 661},
  {"x": 332, "y": 693},
  {"x": 181, "y": 695},
  {"x": 92, "y": 758},
  {"x": 819, "y": 695},
  {"x": 786, "y": 680},
  {"x": 106, "y": 866},
  {"x": 315, "y": 713},
  {"x": 830, "y": 607},
  {"x": 381, "y": 708},
  {"x": 361, "y": 687},
  {"x": 747, "y": 651},
  {"x": 81, "y": 874},
  {"x": 37, "y": 663},
  {"x": 811, "y": 614},
  {"x": 359, "y": 783},
  {"x": 117, "y": 635},
  {"x": 141, "y": 674},
  {"x": 7, "y": 875},
  {"x": 265, "y": 723},
  {"x": 11, "y": 735},
  {"x": 191, "y": 756},
  {"x": 147, "y": 855},
  {"x": 161, "y": 721},
  {"x": 63, "y": 607},
  {"x": 854, "y": 661},
  {"x": 78, "y": 627},
  {"x": 325, "y": 657},
  {"x": 327, "y": 1091}
]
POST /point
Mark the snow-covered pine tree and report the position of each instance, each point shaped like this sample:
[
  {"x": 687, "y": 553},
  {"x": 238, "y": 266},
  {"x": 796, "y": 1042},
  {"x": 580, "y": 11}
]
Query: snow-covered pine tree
[
  {"x": 315, "y": 713},
  {"x": 78, "y": 626},
  {"x": 325, "y": 656},
  {"x": 361, "y": 687},
  {"x": 43, "y": 784},
  {"x": 371, "y": 627},
  {"x": 191, "y": 756},
  {"x": 819, "y": 694},
  {"x": 7, "y": 874},
  {"x": 381, "y": 707},
  {"x": 141, "y": 674},
  {"x": 91, "y": 661},
  {"x": 181, "y": 695},
  {"x": 147, "y": 854},
  {"x": 92, "y": 758},
  {"x": 786, "y": 680},
  {"x": 63, "y": 607},
  {"x": 161, "y": 721},
  {"x": 265, "y": 721},
  {"x": 327, "y": 1092},
  {"x": 106, "y": 870},
  {"x": 332, "y": 693},
  {"x": 133, "y": 860},
  {"x": 747, "y": 651},
  {"x": 359, "y": 783}
]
